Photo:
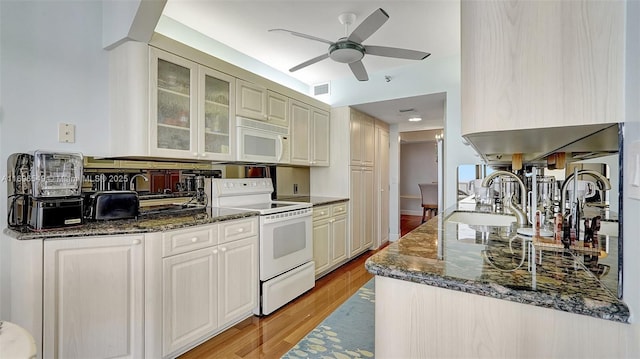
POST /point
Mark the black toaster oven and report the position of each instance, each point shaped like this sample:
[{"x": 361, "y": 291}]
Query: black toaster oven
[{"x": 111, "y": 205}]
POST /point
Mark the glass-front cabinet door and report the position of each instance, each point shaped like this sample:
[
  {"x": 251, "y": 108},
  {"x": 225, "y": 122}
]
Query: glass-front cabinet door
[
  {"x": 217, "y": 115},
  {"x": 173, "y": 106}
]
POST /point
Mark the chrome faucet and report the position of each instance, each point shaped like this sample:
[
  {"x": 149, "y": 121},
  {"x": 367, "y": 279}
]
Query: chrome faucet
[
  {"x": 520, "y": 213},
  {"x": 132, "y": 182},
  {"x": 606, "y": 185}
]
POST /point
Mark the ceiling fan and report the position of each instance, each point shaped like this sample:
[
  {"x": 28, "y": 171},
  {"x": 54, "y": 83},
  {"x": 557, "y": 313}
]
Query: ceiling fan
[{"x": 349, "y": 49}]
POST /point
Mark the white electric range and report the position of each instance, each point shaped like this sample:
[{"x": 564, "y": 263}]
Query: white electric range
[{"x": 286, "y": 244}]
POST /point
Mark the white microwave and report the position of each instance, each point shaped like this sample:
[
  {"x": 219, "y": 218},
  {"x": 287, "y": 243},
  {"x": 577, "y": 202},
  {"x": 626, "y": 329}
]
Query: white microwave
[{"x": 262, "y": 142}]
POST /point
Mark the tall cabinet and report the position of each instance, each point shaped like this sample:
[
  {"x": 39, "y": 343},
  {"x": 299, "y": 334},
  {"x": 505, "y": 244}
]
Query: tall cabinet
[{"x": 361, "y": 175}]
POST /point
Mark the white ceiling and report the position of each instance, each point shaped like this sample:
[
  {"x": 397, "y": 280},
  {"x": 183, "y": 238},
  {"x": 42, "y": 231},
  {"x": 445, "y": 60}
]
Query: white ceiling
[{"x": 426, "y": 25}]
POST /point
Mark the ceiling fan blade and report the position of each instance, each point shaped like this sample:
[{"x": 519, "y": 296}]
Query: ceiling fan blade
[
  {"x": 299, "y": 34},
  {"x": 359, "y": 71},
  {"x": 370, "y": 25},
  {"x": 309, "y": 62},
  {"x": 396, "y": 52}
]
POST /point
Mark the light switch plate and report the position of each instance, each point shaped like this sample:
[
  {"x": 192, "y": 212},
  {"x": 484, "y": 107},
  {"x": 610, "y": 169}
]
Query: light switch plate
[
  {"x": 633, "y": 161},
  {"x": 66, "y": 133}
]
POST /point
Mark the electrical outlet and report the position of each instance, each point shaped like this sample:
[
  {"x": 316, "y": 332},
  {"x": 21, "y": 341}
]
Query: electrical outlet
[
  {"x": 66, "y": 133},
  {"x": 295, "y": 188}
]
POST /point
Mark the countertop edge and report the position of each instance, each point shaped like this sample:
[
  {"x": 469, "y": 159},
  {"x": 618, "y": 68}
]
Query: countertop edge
[
  {"x": 129, "y": 227},
  {"x": 575, "y": 305}
]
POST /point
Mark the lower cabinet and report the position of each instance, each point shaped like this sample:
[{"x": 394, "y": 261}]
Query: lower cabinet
[
  {"x": 210, "y": 284},
  {"x": 93, "y": 297},
  {"x": 330, "y": 233}
]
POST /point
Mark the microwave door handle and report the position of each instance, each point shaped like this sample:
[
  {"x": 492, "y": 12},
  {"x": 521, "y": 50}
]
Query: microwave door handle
[{"x": 280, "y": 137}]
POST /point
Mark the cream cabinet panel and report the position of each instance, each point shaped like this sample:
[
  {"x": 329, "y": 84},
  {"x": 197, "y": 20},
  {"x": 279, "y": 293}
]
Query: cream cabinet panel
[
  {"x": 357, "y": 211},
  {"x": 381, "y": 173},
  {"x": 368, "y": 210},
  {"x": 300, "y": 127},
  {"x": 330, "y": 234},
  {"x": 190, "y": 297},
  {"x": 277, "y": 109},
  {"x": 540, "y": 64},
  {"x": 237, "y": 278},
  {"x": 321, "y": 245},
  {"x": 362, "y": 212},
  {"x": 362, "y": 139},
  {"x": 339, "y": 235},
  {"x": 319, "y": 137},
  {"x": 251, "y": 100},
  {"x": 93, "y": 298}
]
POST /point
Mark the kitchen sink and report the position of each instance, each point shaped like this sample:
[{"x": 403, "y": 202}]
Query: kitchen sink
[{"x": 481, "y": 219}]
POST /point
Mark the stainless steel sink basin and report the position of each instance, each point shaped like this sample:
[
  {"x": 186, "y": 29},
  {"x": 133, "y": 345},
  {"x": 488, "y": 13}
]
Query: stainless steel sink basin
[{"x": 482, "y": 219}]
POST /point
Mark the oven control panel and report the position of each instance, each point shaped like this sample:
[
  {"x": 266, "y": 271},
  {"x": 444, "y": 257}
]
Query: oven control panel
[
  {"x": 283, "y": 216},
  {"x": 241, "y": 186}
]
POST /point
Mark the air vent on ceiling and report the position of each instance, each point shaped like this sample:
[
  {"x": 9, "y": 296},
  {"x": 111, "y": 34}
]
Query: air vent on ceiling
[{"x": 321, "y": 89}]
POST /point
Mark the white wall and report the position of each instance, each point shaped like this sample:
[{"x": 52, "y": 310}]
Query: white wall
[
  {"x": 53, "y": 70},
  {"x": 417, "y": 165}
]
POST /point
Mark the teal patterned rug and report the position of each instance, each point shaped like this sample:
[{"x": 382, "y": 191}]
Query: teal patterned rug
[{"x": 347, "y": 333}]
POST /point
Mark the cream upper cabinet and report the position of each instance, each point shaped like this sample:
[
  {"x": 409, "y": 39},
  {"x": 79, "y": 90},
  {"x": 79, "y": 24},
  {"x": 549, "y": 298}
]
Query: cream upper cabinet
[
  {"x": 362, "y": 139},
  {"x": 309, "y": 135},
  {"x": 174, "y": 108},
  {"x": 216, "y": 115},
  {"x": 163, "y": 105},
  {"x": 251, "y": 100},
  {"x": 299, "y": 130},
  {"x": 319, "y": 137},
  {"x": 538, "y": 64},
  {"x": 93, "y": 297},
  {"x": 277, "y": 109},
  {"x": 259, "y": 103}
]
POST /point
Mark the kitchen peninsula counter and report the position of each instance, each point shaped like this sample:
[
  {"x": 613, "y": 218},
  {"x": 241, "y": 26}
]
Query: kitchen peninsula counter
[
  {"x": 494, "y": 262},
  {"x": 144, "y": 224}
]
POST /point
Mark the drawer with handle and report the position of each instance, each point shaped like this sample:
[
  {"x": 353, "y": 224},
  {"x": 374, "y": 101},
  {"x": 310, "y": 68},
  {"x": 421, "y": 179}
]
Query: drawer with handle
[
  {"x": 234, "y": 230},
  {"x": 188, "y": 239},
  {"x": 321, "y": 212},
  {"x": 339, "y": 209}
]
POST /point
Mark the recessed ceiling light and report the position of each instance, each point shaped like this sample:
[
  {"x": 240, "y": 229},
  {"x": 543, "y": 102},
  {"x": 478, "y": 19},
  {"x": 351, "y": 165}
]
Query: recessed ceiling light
[{"x": 415, "y": 119}]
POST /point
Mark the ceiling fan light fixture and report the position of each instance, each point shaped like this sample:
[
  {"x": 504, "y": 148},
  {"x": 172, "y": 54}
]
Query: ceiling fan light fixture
[{"x": 346, "y": 52}]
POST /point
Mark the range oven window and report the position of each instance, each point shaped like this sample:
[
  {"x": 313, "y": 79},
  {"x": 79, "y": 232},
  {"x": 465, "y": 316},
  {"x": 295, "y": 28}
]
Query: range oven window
[{"x": 288, "y": 239}]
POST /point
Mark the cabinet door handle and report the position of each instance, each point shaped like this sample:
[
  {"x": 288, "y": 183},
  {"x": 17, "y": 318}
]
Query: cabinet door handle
[
  {"x": 240, "y": 230},
  {"x": 136, "y": 242},
  {"x": 322, "y": 213},
  {"x": 203, "y": 155},
  {"x": 194, "y": 239},
  {"x": 224, "y": 249},
  {"x": 215, "y": 251},
  {"x": 195, "y": 154}
]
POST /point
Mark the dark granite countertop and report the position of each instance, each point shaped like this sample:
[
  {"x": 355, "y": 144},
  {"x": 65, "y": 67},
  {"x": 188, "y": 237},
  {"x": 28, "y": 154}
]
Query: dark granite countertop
[
  {"x": 155, "y": 223},
  {"x": 314, "y": 200},
  {"x": 494, "y": 262}
]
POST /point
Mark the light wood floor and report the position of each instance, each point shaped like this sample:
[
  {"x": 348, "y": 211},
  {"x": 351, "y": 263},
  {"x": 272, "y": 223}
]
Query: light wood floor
[{"x": 274, "y": 335}]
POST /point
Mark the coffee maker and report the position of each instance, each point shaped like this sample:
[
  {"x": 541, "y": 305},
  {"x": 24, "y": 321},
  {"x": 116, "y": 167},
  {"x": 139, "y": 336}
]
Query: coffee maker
[{"x": 44, "y": 190}]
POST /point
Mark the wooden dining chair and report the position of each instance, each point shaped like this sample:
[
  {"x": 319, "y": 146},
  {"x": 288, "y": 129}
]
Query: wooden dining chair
[{"x": 429, "y": 200}]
